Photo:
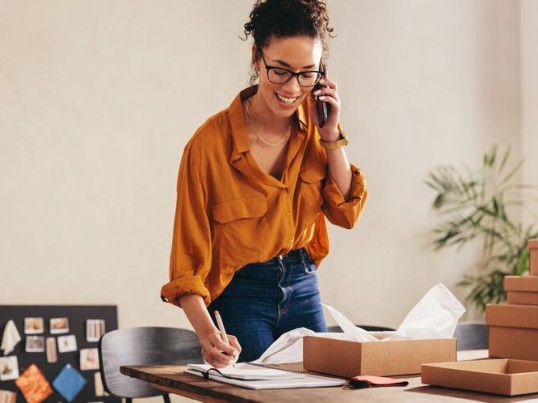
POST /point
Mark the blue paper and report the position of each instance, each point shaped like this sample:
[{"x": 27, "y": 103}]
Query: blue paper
[{"x": 69, "y": 382}]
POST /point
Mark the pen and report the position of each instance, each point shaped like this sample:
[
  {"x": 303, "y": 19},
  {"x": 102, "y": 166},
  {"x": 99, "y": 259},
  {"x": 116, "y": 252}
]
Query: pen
[{"x": 221, "y": 327}]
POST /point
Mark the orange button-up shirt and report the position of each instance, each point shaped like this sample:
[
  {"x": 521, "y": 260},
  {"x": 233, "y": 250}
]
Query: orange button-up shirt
[{"x": 229, "y": 213}]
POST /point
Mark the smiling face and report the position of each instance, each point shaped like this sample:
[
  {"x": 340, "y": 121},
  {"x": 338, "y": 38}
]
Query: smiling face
[{"x": 297, "y": 53}]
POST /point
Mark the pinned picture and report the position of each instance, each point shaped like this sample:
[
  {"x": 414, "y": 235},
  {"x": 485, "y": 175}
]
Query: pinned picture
[
  {"x": 9, "y": 368},
  {"x": 51, "y": 350},
  {"x": 95, "y": 328},
  {"x": 35, "y": 344},
  {"x": 34, "y": 325},
  {"x": 89, "y": 359},
  {"x": 7, "y": 396},
  {"x": 59, "y": 325},
  {"x": 99, "y": 389},
  {"x": 67, "y": 343}
]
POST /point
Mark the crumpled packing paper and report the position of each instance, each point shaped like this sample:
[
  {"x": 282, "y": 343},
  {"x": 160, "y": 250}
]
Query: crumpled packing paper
[
  {"x": 10, "y": 338},
  {"x": 435, "y": 316}
]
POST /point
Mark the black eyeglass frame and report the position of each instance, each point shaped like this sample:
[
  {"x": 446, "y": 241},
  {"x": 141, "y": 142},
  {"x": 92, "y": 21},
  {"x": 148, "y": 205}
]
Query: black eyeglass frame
[{"x": 321, "y": 74}]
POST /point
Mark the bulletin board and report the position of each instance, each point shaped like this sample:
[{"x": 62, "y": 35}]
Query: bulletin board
[{"x": 77, "y": 317}]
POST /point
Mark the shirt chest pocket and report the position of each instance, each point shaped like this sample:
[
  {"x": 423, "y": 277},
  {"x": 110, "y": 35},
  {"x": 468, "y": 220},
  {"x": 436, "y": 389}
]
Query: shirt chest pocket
[
  {"x": 239, "y": 226},
  {"x": 312, "y": 178}
]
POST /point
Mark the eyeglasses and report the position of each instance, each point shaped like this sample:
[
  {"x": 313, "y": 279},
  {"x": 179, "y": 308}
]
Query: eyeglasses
[{"x": 278, "y": 75}]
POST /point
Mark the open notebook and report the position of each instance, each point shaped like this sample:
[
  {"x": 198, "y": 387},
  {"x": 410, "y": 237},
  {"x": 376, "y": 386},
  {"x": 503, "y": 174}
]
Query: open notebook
[{"x": 256, "y": 376}]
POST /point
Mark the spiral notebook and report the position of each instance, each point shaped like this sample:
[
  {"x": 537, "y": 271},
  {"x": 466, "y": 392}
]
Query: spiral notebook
[{"x": 256, "y": 376}]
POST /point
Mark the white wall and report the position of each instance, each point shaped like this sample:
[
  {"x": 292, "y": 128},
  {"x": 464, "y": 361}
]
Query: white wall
[
  {"x": 97, "y": 99},
  {"x": 423, "y": 83},
  {"x": 529, "y": 96}
]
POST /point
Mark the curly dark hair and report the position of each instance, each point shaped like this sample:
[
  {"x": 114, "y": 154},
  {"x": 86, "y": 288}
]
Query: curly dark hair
[{"x": 286, "y": 18}]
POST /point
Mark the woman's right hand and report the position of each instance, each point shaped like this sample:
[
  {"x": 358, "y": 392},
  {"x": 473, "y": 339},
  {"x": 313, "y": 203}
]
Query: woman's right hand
[
  {"x": 217, "y": 353},
  {"x": 215, "y": 350}
]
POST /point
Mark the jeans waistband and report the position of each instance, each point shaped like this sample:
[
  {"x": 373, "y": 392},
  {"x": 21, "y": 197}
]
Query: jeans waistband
[{"x": 293, "y": 256}]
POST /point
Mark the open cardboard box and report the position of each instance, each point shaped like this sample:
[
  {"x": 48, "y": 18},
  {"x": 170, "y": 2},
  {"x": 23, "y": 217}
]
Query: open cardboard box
[
  {"x": 347, "y": 358},
  {"x": 501, "y": 376},
  {"x": 521, "y": 290}
]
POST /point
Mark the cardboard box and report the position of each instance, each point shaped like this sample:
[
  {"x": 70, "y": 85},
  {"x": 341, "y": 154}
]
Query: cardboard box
[
  {"x": 508, "y": 315},
  {"x": 513, "y": 342},
  {"x": 384, "y": 358},
  {"x": 500, "y": 376},
  {"x": 521, "y": 283},
  {"x": 521, "y": 290},
  {"x": 533, "y": 256},
  {"x": 513, "y": 331},
  {"x": 522, "y": 298}
]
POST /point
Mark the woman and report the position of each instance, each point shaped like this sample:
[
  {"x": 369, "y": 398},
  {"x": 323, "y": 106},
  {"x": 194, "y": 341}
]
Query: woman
[{"x": 256, "y": 183}]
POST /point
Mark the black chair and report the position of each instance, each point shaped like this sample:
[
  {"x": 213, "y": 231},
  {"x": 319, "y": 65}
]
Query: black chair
[
  {"x": 144, "y": 346},
  {"x": 471, "y": 336},
  {"x": 368, "y": 328}
]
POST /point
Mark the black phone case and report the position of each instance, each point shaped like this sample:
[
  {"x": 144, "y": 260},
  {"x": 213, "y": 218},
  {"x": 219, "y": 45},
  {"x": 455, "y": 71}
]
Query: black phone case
[{"x": 323, "y": 111}]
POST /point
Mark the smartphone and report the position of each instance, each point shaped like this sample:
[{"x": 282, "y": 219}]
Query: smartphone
[{"x": 322, "y": 107}]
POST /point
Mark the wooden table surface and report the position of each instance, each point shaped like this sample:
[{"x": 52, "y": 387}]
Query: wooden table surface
[{"x": 170, "y": 378}]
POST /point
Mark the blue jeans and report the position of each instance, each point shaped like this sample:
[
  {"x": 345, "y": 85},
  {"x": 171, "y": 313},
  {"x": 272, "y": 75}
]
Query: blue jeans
[{"x": 265, "y": 300}]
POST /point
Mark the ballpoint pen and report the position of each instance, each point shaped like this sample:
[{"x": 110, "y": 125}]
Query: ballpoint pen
[
  {"x": 221, "y": 327},
  {"x": 223, "y": 334}
]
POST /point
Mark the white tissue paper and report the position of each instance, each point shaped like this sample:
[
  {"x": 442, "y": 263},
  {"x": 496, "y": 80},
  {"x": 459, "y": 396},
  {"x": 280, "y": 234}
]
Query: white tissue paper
[
  {"x": 10, "y": 338},
  {"x": 435, "y": 316}
]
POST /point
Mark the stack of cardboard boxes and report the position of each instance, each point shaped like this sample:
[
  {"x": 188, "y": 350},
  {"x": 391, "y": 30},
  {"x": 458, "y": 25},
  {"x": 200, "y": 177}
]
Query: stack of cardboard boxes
[
  {"x": 513, "y": 327},
  {"x": 513, "y": 336}
]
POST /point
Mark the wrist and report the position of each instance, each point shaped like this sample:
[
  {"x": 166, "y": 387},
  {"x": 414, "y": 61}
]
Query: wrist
[
  {"x": 340, "y": 141},
  {"x": 334, "y": 136}
]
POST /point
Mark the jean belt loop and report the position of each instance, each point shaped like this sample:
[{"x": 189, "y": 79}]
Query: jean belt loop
[{"x": 302, "y": 253}]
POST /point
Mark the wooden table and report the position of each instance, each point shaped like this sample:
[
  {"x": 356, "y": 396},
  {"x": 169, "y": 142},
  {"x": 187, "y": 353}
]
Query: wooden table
[{"x": 170, "y": 378}]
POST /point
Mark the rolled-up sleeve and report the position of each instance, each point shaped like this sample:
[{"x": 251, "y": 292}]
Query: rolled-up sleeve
[
  {"x": 190, "y": 258},
  {"x": 339, "y": 211}
]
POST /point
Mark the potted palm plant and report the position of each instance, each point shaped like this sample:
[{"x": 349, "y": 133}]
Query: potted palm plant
[{"x": 482, "y": 204}]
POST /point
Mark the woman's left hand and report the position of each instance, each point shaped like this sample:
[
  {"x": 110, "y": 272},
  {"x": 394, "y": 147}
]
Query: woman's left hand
[{"x": 327, "y": 93}]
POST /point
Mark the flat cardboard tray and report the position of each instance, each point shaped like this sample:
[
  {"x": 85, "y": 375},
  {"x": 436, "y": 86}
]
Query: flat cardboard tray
[{"x": 499, "y": 376}]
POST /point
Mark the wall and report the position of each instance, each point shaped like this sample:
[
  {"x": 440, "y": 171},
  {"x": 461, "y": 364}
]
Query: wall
[
  {"x": 426, "y": 84},
  {"x": 529, "y": 96},
  {"x": 98, "y": 98}
]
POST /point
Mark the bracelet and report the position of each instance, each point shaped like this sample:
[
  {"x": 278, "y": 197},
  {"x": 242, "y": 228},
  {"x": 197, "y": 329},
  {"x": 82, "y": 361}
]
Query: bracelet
[{"x": 333, "y": 145}]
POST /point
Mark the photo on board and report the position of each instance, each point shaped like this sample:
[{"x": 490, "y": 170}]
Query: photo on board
[
  {"x": 9, "y": 368},
  {"x": 35, "y": 344},
  {"x": 34, "y": 325},
  {"x": 89, "y": 359},
  {"x": 67, "y": 343},
  {"x": 59, "y": 325}
]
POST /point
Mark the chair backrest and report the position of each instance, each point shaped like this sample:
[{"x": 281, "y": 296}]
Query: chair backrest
[
  {"x": 471, "y": 336},
  {"x": 368, "y": 328},
  {"x": 143, "y": 346}
]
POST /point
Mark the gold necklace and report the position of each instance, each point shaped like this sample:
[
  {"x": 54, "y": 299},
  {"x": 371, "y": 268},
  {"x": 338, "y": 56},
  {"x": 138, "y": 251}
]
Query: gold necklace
[{"x": 249, "y": 118}]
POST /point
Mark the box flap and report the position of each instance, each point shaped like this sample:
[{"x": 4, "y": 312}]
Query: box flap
[{"x": 506, "y": 315}]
